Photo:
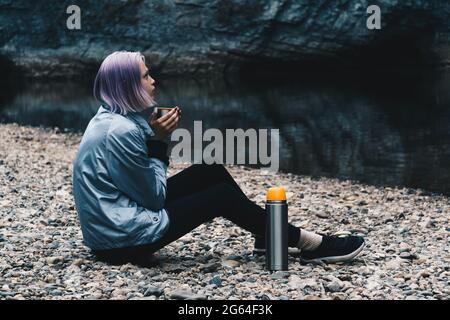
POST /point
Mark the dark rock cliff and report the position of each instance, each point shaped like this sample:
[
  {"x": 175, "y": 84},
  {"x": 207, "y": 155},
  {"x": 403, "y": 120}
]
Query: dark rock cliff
[{"x": 220, "y": 36}]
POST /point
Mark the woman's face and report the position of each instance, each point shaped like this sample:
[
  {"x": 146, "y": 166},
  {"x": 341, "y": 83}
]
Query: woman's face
[{"x": 147, "y": 81}]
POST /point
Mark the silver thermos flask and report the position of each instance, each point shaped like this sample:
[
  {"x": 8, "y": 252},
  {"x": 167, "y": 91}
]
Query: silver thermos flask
[{"x": 276, "y": 229}]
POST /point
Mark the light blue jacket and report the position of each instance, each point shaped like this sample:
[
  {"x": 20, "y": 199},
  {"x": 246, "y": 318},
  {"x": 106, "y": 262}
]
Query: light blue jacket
[{"x": 119, "y": 191}]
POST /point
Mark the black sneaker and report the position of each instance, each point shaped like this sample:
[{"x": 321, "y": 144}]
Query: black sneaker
[{"x": 334, "y": 249}]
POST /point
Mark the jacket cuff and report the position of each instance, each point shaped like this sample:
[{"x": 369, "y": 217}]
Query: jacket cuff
[{"x": 158, "y": 149}]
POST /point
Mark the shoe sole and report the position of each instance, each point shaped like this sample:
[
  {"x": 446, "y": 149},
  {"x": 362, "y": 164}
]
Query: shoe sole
[{"x": 334, "y": 259}]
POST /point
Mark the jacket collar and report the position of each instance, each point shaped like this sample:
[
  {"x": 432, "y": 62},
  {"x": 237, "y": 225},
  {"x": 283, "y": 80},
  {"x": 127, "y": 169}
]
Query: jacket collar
[{"x": 139, "y": 118}]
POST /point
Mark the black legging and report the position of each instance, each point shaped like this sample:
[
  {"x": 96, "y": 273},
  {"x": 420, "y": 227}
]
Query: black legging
[{"x": 197, "y": 195}]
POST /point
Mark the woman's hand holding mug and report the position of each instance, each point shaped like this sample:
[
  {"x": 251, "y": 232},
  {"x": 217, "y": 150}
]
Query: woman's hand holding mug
[{"x": 166, "y": 124}]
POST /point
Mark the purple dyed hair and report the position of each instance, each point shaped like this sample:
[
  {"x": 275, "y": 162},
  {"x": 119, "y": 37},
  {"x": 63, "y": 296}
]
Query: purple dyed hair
[{"x": 118, "y": 83}]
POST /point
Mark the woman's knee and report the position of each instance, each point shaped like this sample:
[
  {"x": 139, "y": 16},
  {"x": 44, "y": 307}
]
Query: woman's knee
[
  {"x": 219, "y": 170},
  {"x": 215, "y": 168}
]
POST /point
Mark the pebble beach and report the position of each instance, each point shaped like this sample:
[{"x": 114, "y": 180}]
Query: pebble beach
[{"x": 42, "y": 256}]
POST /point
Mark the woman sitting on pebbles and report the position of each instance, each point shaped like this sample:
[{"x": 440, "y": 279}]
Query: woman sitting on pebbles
[{"x": 126, "y": 206}]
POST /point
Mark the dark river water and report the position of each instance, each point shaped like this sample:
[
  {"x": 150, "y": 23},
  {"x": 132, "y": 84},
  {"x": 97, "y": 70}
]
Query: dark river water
[{"x": 391, "y": 129}]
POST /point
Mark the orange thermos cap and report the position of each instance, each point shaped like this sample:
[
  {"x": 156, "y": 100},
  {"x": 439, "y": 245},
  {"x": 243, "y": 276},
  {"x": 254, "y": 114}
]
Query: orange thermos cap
[{"x": 276, "y": 194}]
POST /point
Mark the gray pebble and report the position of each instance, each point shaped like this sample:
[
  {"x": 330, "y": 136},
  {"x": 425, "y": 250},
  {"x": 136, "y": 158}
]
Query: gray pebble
[
  {"x": 216, "y": 280},
  {"x": 7, "y": 294},
  {"x": 210, "y": 267},
  {"x": 334, "y": 286},
  {"x": 185, "y": 295},
  {"x": 408, "y": 255},
  {"x": 153, "y": 291}
]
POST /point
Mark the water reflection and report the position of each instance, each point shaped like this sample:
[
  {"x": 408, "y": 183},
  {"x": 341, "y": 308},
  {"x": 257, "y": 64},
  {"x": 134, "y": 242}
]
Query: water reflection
[{"x": 394, "y": 133}]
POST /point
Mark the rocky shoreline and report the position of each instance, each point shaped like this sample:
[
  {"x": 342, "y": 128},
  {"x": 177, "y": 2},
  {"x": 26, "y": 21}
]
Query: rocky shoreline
[{"x": 42, "y": 255}]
